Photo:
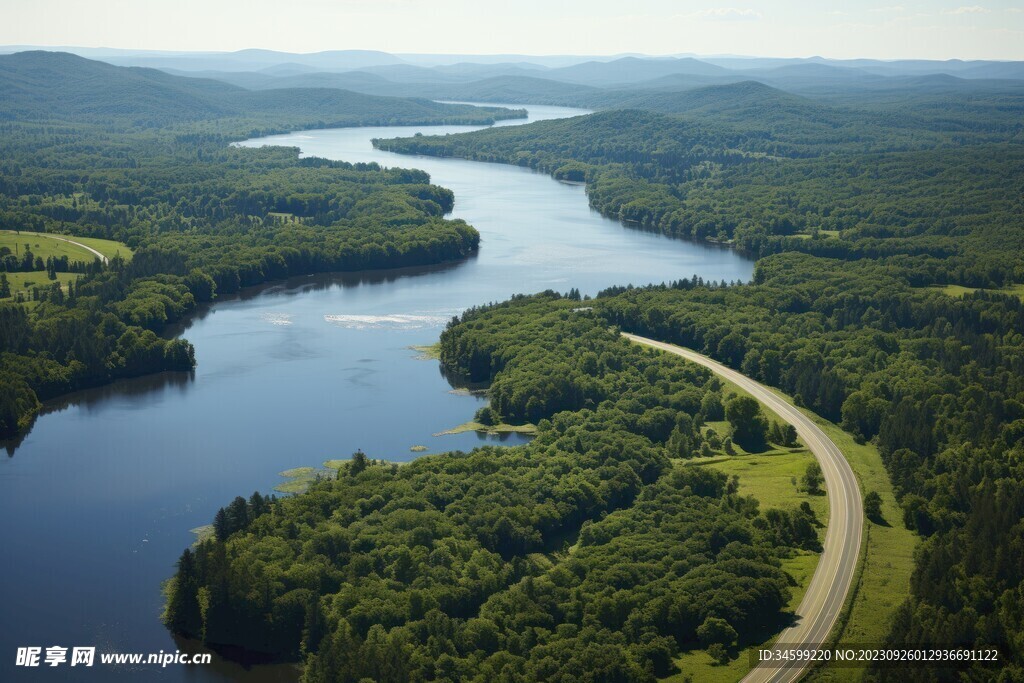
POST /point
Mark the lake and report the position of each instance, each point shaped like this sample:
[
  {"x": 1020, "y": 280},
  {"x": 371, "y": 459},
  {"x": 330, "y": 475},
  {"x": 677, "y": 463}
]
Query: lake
[{"x": 98, "y": 500}]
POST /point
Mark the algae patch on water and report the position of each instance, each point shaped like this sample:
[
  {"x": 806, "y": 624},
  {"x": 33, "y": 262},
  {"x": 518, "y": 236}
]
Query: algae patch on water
[
  {"x": 502, "y": 428},
  {"x": 431, "y": 352},
  {"x": 298, "y": 479}
]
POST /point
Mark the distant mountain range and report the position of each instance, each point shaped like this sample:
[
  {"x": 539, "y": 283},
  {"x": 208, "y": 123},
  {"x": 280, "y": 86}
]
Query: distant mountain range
[
  {"x": 631, "y": 81},
  {"x": 38, "y": 85},
  {"x": 475, "y": 67},
  {"x": 325, "y": 88}
]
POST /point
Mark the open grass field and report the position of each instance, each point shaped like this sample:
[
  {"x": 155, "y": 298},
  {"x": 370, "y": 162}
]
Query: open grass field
[
  {"x": 108, "y": 248},
  {"x": 24, "y": 282},
  {"x": 772, "y": 477},
  {"x": 43, "y": 246},
  {"x": 958, "y": 290},
  {"x": 824, "y": 233},
  {"x": 887, "y": 560},
  {"x": 46, "y": 246},
  {"x": 887, "y": 555}
]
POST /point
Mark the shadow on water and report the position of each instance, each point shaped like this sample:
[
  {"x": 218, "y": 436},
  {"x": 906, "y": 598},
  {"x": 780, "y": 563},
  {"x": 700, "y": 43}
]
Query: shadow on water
[
  {"x": 233, "y": 664},
  {"x": 478, "y": 390},
  {"x": 90, "y": 399},
  {"x": 250, "y": 415},
  {"x": 348, "y": 280},
  {"x": 460, "y": 382},
  {"x": 654, "y": 230},
  {"x": 148, "y": 384},
  {"x": 516, "y": 438}
]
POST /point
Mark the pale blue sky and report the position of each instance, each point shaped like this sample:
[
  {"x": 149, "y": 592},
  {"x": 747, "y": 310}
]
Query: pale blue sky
[{"x": 992, "y": 29}]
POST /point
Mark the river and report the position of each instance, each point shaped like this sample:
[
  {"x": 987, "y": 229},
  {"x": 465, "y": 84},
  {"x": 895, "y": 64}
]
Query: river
[{"x": 97, "y": 502}]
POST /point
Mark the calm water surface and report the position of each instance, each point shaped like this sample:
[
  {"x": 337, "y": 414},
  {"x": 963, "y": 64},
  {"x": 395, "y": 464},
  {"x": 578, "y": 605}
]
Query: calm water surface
[{"x": 97, "y": 502}]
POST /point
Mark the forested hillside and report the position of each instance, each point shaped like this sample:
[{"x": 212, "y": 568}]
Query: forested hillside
[
  {"x": 120, "y": 162},
  {"x": 933, "y": 380},
  {"x": 770, "y": 172},
  {"x": 587, "y": 555},
  {"x": 628, "y": 81},
  {"x": 56, "y": 86},
  {"x": 862, "y": 229}
]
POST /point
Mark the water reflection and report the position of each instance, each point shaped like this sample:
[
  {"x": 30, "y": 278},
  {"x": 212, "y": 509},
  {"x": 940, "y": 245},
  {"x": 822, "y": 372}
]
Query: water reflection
[
  {"x": 320, "y": 282},
  {"x": 95, "y": 399},
  {"x": 228, "y": 665},
  {"x": 348, "y": 280},
  {"x": 123, "y": 392}
]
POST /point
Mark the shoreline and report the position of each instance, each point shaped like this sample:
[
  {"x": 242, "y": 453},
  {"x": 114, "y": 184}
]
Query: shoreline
[{"x": 472, "y": 426}]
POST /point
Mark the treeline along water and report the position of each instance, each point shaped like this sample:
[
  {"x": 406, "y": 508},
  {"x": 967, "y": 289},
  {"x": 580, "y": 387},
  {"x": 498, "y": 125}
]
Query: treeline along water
[{"x": 98, "y": 499}]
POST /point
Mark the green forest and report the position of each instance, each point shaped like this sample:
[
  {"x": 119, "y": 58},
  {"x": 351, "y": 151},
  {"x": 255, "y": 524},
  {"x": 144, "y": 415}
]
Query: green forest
[
  {"x": 939, "y": 193},
  {"x": 861, "y": 227},
  {"x": 203, "y": 218},
  {"x": 595, "y": 553},
  {"x": 889, "y": 233},
  {"x": 58, "y": 86},
  {"x": 862, "y": 220}
]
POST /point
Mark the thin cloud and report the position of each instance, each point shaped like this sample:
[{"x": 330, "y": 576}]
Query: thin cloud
[
  {"x": 888, "y": 8},
  {"x": 967, "y": 9},
  {"x": 726, "y": 14}
]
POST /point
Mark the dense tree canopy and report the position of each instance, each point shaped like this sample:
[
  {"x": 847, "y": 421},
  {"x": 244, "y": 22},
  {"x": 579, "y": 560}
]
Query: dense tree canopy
[
  {"x": 595, "y": 552},
  {"x": 585, "y": 555},
  {"x": 938, "y": 196},
  {"x": 934, "y": 380},
  {"x": 58, "y": 86},
  {"x": 145, "y": 159},
  {"x": 863, "y": 216}
]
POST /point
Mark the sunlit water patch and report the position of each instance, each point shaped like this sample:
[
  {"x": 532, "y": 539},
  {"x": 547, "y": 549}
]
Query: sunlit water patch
[{"x": 392, "y": 321}]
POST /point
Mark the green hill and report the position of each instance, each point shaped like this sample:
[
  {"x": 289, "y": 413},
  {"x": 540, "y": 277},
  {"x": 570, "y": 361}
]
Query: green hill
[
  {"x": 632, "y": 70},
  {"x": 55, "y": 85},
  {"x": 58, "y": 86},
  {"x": 524, "y": 89},
  {"x": 744, "y": 101}
]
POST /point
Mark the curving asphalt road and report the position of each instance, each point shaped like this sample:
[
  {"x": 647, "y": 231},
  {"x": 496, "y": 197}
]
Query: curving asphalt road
[{"x": 831, "y": 582}]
